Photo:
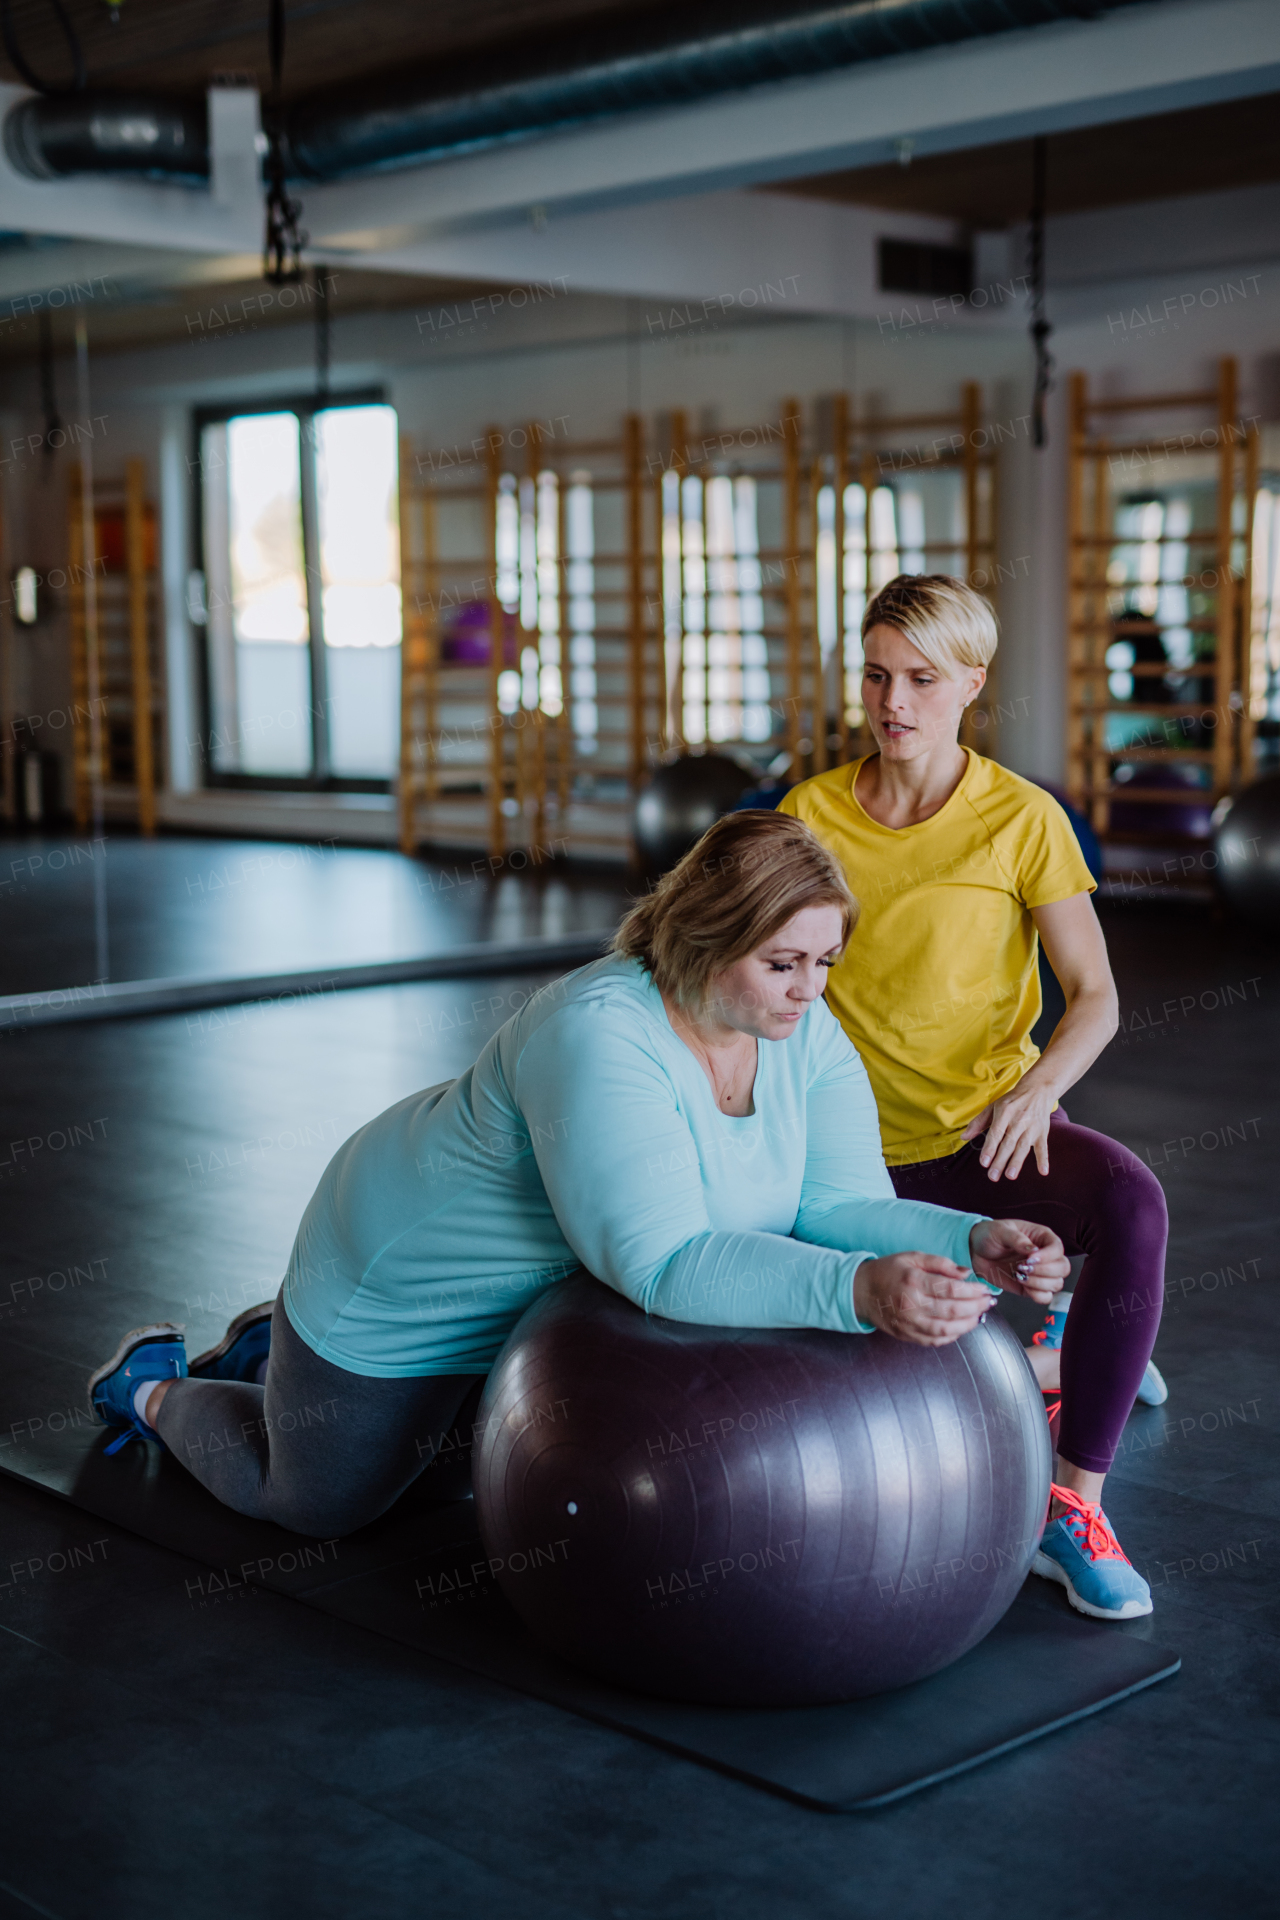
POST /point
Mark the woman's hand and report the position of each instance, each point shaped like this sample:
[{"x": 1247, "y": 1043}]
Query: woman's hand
[
  {"x": 920, "y": 1297},
  {"x": 1019, "y": 1123},
  {"x": 1019, "y": 1258},
  {"x": 1015, "y": 1126}
]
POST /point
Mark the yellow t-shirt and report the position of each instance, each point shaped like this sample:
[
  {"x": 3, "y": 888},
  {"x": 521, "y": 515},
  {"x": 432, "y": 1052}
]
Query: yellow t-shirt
[{"x": 938, "y": 988}]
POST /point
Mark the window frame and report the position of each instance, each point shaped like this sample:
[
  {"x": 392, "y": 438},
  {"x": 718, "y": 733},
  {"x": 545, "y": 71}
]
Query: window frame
[{"x": 306, "y": 407}]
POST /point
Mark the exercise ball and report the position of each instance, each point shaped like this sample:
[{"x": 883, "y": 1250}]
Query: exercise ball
[
  {"x": 767, "y": 796},
  {"x": 1247, "y": 844},
  {"x": 1089, "y": 843},
  {"x": 1185, "y": 820},
  {"x": 681, "y": 801},
  {"x": 466, "y": 639},
  {"x": 753, "y": 1517}
]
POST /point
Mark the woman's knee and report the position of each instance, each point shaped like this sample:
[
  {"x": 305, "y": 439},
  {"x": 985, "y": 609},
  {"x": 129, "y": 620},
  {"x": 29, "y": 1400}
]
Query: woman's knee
[
  {"x": 1124, "y": 1197},
  {"x": 1134, "y": 1204},
  {"x": 320, "y": 1516},
  {"x": 300, "y": 1489}
]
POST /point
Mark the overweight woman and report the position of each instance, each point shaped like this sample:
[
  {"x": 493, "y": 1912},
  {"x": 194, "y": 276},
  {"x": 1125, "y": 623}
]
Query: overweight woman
[
  {"x": 684, "y": 1118},
  {"x": 962, "y": 869}
]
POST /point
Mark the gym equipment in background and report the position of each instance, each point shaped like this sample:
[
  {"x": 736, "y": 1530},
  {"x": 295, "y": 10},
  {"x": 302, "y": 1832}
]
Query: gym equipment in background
[
  {"x": 1153, "y": 811},
  {"x": 681, "y": 801},
  {"x": 767, "y": 796},
  {"x": 753, "y": 1517},
  {"x": 1159, "y": 656},
  {"x": 466, "y": 635},
  {"x": 1247, "y": 843},
  {"x": 117, "y": 650},
  {"x": 673, "y": 591}
]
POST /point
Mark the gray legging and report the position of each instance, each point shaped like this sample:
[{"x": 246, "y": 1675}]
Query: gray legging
[{"x": 317, "y": 1449}]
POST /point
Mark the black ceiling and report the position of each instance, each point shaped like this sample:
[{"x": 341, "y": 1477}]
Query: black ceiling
[
  {"x": 1198, "y": 150},
  {"x": 181, "y": 46}
]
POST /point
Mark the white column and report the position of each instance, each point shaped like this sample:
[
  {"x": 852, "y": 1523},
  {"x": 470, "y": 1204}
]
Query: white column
[
  {"x": 1032, "y": 549},
  {"x": 180, "y": 640}
]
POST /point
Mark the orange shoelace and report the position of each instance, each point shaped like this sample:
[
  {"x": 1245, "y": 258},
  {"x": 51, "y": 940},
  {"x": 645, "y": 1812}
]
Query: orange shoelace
[
  {"x": 1098, "y": 1541},
  {"x": 1050, "y": 1336}
]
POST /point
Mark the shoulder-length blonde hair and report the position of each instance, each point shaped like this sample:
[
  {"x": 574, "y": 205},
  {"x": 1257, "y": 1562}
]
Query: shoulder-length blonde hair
[{"x": 743, "y": 881}]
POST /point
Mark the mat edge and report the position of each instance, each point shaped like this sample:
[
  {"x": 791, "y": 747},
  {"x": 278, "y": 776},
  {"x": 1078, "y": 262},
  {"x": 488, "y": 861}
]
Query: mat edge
[
  {"x": 1006, "y": 1746},
  {"x": 311, "y": 1597}
]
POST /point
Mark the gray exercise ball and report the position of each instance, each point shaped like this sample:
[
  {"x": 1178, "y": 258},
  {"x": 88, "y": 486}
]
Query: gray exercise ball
[
  {"x": 1247, "y": 844},
  {"x": 756, "y": 1516},
  {"x": 681, "y": 801}
]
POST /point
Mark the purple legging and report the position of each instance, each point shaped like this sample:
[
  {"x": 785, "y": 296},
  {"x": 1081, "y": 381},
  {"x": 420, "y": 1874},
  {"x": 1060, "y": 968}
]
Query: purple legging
[{"x": 1102, "y": 1202}]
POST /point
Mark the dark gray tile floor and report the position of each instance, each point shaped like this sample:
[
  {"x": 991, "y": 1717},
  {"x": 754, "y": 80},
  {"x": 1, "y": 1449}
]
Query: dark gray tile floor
[
  {"x": 182, "y": 905},
  {"x": 171, "y": 1754}
]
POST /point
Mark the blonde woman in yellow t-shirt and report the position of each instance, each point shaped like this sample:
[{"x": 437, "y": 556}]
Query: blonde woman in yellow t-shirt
[{"x": 962, "y": 870}]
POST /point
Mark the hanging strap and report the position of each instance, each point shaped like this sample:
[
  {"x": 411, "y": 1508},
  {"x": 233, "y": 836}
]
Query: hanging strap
[
  {"x": 284, "y": 239},
  {"x": 17, "y": 59}
]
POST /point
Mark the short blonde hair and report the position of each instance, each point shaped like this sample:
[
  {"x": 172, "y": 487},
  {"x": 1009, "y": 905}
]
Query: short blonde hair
[
  {"x": 945, "y": 620},
  {"x": 746, "y": 877}
]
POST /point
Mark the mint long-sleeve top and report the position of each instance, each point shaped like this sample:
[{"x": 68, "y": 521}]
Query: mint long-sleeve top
[{"x": 587, "y": 1134}]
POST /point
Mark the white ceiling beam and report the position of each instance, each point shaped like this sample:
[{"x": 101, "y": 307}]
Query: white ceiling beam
[
  {"x": 726, "y": 253},
  {"x": 1146, "y": 59},
  {"x": 1072, "y": 74}
]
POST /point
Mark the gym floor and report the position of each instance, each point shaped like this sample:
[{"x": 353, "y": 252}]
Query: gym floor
[
  {"x": 171, "y": 1753},
  {"x": 209, "y": 908}
]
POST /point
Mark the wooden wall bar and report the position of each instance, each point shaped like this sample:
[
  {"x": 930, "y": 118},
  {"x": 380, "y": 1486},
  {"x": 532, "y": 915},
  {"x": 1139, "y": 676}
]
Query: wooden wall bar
[
  {"x": 1196, "y": 445},
  {"x": 478, "y": 770}
]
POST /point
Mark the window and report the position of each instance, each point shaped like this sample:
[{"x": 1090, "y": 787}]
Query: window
[
  {"x": 1153, "y": 620},
  {"x": 916, "y": 528},
  {"x": 528, "y": 539},
  {"x": 299, "y": 514},
  {"x": 584, "y": 686},
  {"x": 713, "y": 608},
  {"x": 864, "y": 573},
  {"x": 1264, "y": 678}
]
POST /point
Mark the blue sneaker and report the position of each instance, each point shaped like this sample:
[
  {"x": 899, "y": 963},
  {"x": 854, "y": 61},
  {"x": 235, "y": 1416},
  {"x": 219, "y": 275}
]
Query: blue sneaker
[
  {"x": 1055, "y": 1324},
  {"x": 1081, "y": 1552},
  {"x": 242, "y": 1350},
  {"x": 1152, "y": 1393},
  {"x": 148, "y": 1353}
]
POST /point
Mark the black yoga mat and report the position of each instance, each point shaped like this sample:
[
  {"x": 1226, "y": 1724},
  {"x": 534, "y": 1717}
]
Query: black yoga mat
[{"x": 421, "y": 1577}]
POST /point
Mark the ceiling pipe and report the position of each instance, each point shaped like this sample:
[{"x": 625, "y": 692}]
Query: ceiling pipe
[
  {"x": 481, "y": 99},
  {"x": 397, "y": 122},
  {"x": 51, "y": 135}
]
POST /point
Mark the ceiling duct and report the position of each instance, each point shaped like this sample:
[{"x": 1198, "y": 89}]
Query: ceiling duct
[
  {"x": 395, "y": 123},
  {"x": 50, "y": 135},
  {"x": 517, "y": 90}
]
